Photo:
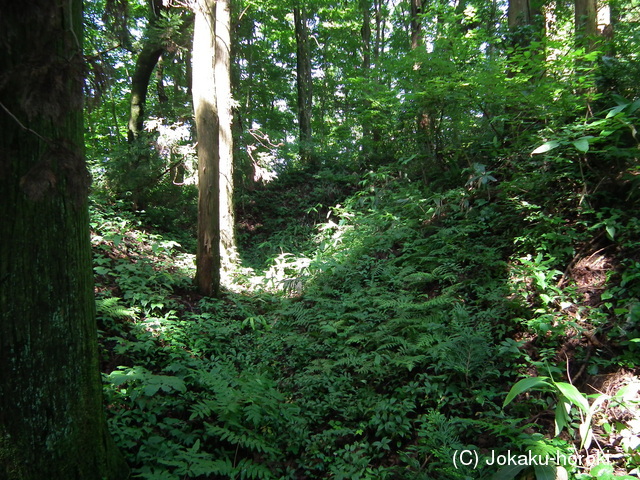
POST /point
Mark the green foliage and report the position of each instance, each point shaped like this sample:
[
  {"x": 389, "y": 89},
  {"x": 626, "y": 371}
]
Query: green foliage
[
  {"x": 445, "y": 248},
  {"x": 568, "y": 396},
  {"x": 386, "y": 355},
  {"x": 389, "y": 353}
]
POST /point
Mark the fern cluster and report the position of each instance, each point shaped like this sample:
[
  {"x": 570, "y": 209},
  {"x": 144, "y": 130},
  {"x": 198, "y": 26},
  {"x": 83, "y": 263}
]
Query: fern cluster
[{"x": 376, "y": 356}]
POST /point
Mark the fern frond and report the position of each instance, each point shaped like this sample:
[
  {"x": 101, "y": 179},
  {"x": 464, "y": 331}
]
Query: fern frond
[
  {"x": 252, "y": 470},
  {"x": 408, "y": 361},
  {"x": 395, "y": 343},
  {"x": 358, "y": 339},
  {"x": 111, "y": 308},
  {"x": 250, "y": 440}
]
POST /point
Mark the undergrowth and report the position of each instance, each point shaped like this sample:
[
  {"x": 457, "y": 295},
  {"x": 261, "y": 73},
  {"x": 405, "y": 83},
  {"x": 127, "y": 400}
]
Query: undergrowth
[{"x": 385, "y": 349}]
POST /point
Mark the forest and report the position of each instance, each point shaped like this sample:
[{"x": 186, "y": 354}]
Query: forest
[{"x": 313, "y": 239}]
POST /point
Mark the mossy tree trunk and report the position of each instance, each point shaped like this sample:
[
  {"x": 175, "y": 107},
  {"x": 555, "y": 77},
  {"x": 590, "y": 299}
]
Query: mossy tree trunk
[
  {"x": 52, "y": 422},
  {"x": 207, "y": 128}
]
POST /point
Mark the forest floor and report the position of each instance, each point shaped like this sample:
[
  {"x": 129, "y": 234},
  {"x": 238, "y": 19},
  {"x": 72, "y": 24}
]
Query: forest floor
[{"x": 379, "y": 342}]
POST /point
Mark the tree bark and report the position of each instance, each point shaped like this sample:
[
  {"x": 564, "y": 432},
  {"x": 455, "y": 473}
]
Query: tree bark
[
  {"x": 526, "y": 21},
  {"x": 380, "y": 27},
  {"x": 207, "y": 128},
  {"x": 224, "y": 99},
  {"x": 304, "y": 86},
  {"x": 145, "y": 63},
  {"x": 416, "y": 24},
  {"x": 52, "y": 422},
  {"x": 371, "y": 134},
  {"x": 365, "y": 33},
  {"x": 586, "y": 24},
  {"x": 161, "y": 91}
]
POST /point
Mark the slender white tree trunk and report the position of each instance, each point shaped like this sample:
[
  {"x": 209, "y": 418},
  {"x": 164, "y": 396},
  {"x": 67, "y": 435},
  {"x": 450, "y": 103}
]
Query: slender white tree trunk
[
  {"x": 207, "y": 129},
  {"x": 224, "y": 102}
]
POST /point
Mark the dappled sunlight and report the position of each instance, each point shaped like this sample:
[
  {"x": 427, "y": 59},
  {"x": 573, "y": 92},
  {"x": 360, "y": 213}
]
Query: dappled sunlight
[
  {"x": 434, "y": 255},
  {"x": 411, "y": 251},
  {"x": 403, "y": 304}
]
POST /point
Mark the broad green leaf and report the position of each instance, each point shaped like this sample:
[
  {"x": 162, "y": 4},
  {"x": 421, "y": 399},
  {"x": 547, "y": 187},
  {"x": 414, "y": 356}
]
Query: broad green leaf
[
  {"x": 101, "y": 270},
  {"x": 582, "y": 144},
  {"x": 116, "y": 239},
  {"x": 196, "y": 447},
  {"x": 541, "y": 280},
  {"x": 545, "y": 147},
  {"x": 604, "y": 470},
  {"x": 168, "y": 383},
  {"x": 562, "y": 416},
  {"x": 586, "y": 433},
  {"x": 125, "y": 374},
  {"x": 509, "y": 472},
  {"x": 404, "y": 161},
  {"x": 151, "y": 389},
  {"x": 634, "y": 106},
  {"x": 611, "y": 231},
  {"x": 545, "y": 472},
  {"x": 606, "y": 295},
  {"x": 524, "y": 385},
  {"x": 616, "y": 110},
  {"x": 591, "y": 56},
  {"x": 620, "y": 100},
  {"x": 573, "y": 395}
]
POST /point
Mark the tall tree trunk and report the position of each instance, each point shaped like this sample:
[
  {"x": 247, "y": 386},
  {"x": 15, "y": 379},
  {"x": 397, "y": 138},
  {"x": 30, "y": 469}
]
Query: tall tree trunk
[
  {"x": 224, "y": 98},
  {"x": 207, "y": 128},
  {"x": 161, "y": 90},
  {"x": 371, "y": 131},
  {"x": 365, "y": 32},
  {"x": 136, "y": 178},
  {"x": 304, "y": 85},
  {"x": 145, "y": 63},
  {"x": 427, "y": 123},
  {"x": 587, "y": 38},
  {"x": 518, "y": 14},
  {"x": 378, "y": 46},
  {"x": 416, "y": 23},
  {"x": 52, "y": 422},
  {"x": 609, "y": 28},
  {"x": 526, "y": 21},
  {"x": 586, "y": 24}
]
